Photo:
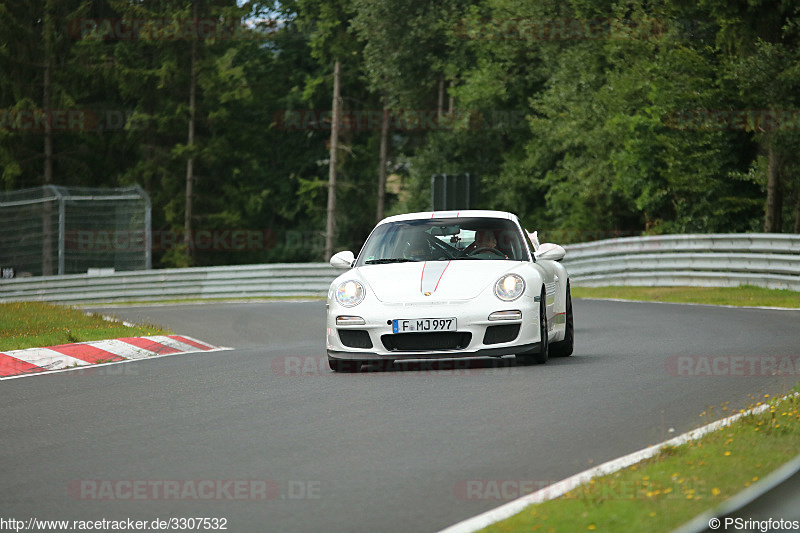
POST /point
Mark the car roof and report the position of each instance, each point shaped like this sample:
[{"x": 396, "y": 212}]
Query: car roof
[{"x": 474, "y": 213}]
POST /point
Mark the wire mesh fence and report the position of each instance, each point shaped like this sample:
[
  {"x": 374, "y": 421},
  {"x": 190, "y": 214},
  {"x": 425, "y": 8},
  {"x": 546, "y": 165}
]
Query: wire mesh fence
[{"x": 69, "y": 230}]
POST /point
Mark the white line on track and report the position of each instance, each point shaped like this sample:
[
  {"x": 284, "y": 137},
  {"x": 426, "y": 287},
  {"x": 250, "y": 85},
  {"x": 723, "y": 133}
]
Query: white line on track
[{"x": 555, "y": 490}]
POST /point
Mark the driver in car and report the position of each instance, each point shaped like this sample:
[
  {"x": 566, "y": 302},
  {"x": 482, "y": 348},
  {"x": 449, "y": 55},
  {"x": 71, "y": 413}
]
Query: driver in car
[
  {"x": 417, "y": 248},
  {"x": 485, "y": 244}
]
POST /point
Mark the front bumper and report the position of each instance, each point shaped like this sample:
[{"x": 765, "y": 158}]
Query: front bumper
[
  {"x": 485, "y": 352},
  {"x": 374, "y": 339}
]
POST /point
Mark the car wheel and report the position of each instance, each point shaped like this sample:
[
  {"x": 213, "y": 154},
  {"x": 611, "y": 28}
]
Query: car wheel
[
  {"x": 564, "y": 348},
  {"x": 539, "y": 356},
  {"x": 347, "y": 366}
]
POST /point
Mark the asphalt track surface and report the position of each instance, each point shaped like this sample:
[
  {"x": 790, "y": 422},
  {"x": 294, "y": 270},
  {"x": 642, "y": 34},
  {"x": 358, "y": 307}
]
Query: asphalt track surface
[{"x": 375, "y": 451}]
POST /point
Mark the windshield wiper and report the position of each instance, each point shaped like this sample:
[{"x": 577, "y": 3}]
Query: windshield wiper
[{"x": 392, "y": 260}]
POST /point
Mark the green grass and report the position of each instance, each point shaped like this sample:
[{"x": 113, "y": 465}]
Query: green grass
[
  {"x": 745, "y": 295},
  {"x": 673, "y": 487},
  {"x": 36, "y": 324}
]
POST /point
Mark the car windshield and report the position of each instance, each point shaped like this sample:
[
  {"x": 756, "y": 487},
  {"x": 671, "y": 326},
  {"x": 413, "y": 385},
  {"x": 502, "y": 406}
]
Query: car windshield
[{"x": 444, "y": 239}]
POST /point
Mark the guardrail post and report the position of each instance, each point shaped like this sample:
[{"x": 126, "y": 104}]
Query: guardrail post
[{"x": 62, "y": 222}]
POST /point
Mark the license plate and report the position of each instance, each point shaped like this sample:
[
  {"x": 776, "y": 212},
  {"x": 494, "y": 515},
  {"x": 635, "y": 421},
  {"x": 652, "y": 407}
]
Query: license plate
[{"x": 408, "y": 325}]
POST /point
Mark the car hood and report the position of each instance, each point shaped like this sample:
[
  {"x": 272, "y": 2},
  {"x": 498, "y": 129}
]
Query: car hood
[{"x": 444, "y": 280}]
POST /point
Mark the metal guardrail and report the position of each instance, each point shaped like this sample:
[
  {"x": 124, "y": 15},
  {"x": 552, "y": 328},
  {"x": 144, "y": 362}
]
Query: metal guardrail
[
  {"x": 766, "y": 260},
  {"x": 228, "y": 282},
  {"x": 770, "y": 260},
  {"x": 775, "y": 497},
  {"x": 776, "y": 243}
]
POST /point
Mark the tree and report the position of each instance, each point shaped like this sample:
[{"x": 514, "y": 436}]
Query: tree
[
  {"x": 410, "y": 55},
  {"x": 760, "y": 41},
  {"x": 330, "y": 43}
]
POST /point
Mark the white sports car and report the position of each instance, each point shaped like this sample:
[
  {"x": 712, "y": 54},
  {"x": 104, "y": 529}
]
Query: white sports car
[{"x": 449, "y": 285}]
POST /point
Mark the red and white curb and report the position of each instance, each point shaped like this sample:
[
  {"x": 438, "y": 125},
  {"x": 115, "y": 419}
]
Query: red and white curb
[{"x": 34, "y": 361}]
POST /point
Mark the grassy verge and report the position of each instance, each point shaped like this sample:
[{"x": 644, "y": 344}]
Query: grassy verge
[
  {"x": 681, "y": 482},
  {"x": 35, "y": 324},
  {"x": 745, "y": 295}
]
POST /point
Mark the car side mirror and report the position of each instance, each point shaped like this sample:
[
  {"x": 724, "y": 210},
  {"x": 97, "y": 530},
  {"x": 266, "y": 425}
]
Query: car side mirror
[
  {"x": 343, "y": 260},
  {"x": 550, "y": 252}
]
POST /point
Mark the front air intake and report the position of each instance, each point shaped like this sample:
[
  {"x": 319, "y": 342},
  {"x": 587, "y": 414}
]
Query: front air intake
[
  {"x": 424, "y": 342},
  {"x": 355, "y": 338},
  {"x": 498, "y": 334}
]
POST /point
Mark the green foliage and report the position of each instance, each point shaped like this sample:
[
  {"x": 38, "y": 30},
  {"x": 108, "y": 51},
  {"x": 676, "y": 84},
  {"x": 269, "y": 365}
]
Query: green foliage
[{"x": 569, "y": 130}]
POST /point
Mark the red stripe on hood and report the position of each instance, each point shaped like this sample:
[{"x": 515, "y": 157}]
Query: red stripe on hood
[
  {"x": 422, "y": 284},
  {"x": 441, "y": 275}
]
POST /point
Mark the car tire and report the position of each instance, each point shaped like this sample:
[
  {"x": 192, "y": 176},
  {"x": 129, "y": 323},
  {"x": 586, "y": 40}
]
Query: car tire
[
  {"x": 541, "y": 355},
  {"x": 345, "y": 366},
  {"x": 564, "y": 348}
]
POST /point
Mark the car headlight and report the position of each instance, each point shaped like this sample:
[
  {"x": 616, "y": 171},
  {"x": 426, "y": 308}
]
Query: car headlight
[
  {"x": 509, "y": 287},
  {"x": 350, "y": 293}
]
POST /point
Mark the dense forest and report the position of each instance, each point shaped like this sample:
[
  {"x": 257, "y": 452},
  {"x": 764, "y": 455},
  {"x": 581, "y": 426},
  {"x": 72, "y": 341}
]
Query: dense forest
[{"x": 587, "y": 118}]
